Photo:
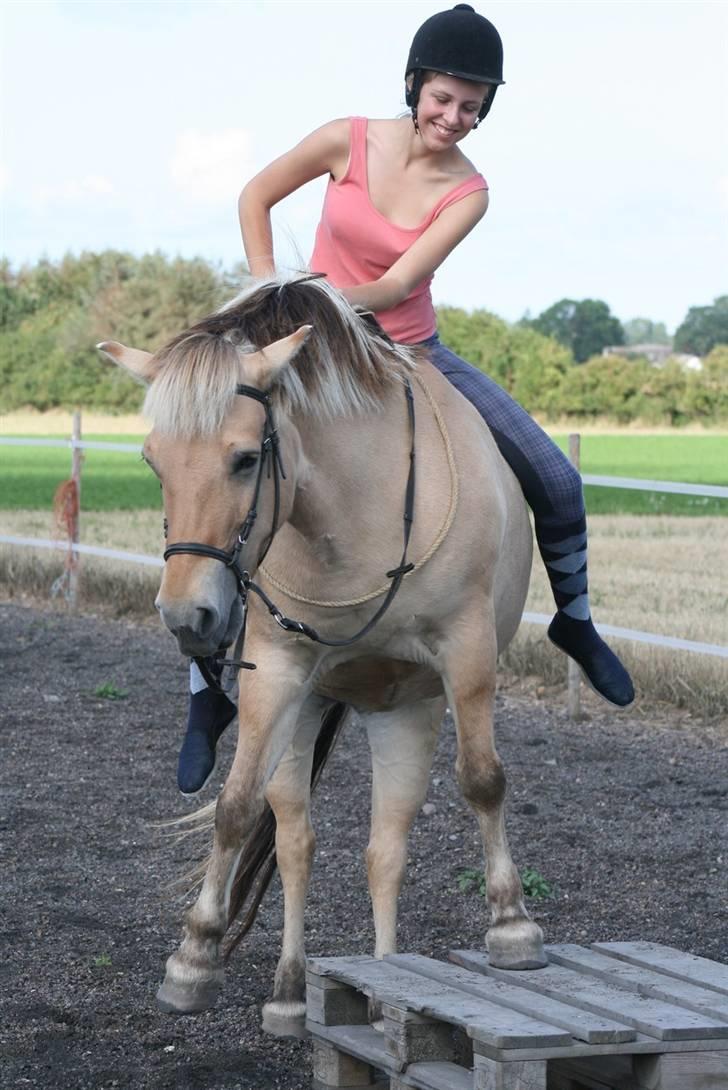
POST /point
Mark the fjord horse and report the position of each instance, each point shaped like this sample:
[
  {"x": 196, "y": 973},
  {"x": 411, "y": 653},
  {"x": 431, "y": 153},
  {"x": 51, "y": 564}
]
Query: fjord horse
[{"x": 289, "y": 379}]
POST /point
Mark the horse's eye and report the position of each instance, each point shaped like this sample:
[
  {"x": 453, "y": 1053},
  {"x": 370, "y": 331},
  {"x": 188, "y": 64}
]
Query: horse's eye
[{"x": 245, "y": 462}]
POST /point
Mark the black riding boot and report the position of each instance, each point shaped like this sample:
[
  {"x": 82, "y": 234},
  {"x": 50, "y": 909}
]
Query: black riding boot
[{"x": 210, "y": 712}]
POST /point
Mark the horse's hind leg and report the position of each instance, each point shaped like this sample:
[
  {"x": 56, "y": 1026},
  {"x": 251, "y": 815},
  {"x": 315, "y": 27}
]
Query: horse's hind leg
[
  {"x": 402, "y": 743},
  {"x": 513, "y": 940},
  {"x": 289, "y": 795}
]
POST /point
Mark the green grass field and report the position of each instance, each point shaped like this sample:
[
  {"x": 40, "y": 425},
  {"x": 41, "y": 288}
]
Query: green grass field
[
  {"x": 111, "y": 480},
  {"x": 118, "y": 481},
  {"x": 691, "y": 459}
]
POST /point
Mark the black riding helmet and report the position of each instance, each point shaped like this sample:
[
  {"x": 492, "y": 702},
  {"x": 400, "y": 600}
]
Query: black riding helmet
[{"x": 458, "y": 43}]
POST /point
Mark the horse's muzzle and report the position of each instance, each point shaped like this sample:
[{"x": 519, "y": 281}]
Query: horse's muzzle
[{"x": 200, "y": 630}]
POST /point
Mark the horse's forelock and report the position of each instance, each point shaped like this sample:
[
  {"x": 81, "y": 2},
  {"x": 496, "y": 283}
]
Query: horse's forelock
[
  {"x": 346, "y": 364},
  {"x": 195, "y": 385},
  {"x": 344, "y": 367}
]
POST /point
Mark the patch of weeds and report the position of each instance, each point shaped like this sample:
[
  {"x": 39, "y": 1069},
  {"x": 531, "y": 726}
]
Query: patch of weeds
[
  {"x": 110, "y": 691},
  {"x": 102, "y": 961},
  {"x": 471, "y": 880},
  {"x": 535, "y": 885}
]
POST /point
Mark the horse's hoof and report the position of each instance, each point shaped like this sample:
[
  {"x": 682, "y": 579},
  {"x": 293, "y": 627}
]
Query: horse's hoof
[
  {"x": 174, "y": 999},
  {"x": 285, "y": 1019},
  {"x": 516, "y": 944}
]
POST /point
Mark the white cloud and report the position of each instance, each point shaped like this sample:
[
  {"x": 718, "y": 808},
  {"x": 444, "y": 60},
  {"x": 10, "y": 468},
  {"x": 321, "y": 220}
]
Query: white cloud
[
  {"x": 211, "y": 167},
  {"x": 72, "y": 192}
]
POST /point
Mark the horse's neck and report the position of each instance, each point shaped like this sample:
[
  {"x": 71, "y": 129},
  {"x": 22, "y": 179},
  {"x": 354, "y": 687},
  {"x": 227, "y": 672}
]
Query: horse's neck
[{"x": 347, "y": 512}]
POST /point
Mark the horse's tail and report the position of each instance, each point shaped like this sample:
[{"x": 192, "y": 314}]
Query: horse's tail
[{"x": 257, "y": 864}]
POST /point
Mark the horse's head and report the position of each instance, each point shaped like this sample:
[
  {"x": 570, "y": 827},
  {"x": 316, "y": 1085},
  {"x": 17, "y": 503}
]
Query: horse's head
[{"x": 207, "y": 449}]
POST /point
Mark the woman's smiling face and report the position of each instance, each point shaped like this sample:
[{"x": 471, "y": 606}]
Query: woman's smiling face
[{"x": 448, "y": 108}]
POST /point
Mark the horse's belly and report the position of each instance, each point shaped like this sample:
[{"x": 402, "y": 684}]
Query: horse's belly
[{"x": 378, "y": 684}]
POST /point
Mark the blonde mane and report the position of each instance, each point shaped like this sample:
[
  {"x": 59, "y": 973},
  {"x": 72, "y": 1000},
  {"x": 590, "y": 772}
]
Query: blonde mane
[{"x": 345, "y": 367}]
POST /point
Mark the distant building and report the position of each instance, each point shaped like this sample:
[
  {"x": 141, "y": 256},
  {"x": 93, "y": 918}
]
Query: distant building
[{"x": 656, "y": 354}]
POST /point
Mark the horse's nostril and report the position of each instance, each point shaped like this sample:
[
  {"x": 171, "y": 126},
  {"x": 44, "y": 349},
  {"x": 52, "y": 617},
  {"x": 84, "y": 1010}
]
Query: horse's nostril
[{"x": 207, "y": 622}]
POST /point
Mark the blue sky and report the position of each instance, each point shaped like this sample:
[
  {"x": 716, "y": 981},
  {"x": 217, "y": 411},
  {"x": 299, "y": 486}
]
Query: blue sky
[{"x": 134, "y": 125}]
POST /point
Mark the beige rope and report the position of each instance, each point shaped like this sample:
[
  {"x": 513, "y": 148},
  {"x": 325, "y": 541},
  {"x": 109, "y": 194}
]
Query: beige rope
[{"x": 441, "y": 535}]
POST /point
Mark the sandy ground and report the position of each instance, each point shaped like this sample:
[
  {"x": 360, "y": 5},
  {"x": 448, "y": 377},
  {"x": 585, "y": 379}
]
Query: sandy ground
[{"x": 625, "y": 816}]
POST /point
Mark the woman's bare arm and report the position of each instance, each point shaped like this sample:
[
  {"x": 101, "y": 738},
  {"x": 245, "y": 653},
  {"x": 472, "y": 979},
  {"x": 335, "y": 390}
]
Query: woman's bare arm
[
  {"x": 423, "y": 257},
  {"x": 324, "y": 151}
]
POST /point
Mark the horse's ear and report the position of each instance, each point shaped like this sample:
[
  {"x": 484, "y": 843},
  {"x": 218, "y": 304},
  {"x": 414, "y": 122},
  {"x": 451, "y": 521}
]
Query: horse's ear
[
  {"x": 134, "y": 360},
  {"x": 262, "y": 368}
]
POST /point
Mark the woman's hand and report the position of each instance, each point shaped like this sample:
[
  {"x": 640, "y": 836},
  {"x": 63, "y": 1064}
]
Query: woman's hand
[{"x": 375, "y": 296}]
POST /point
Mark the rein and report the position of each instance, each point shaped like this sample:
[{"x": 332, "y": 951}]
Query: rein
[{"x": 271, "y": 459}]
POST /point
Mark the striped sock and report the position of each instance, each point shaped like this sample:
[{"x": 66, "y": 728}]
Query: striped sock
[{"x": 566, "y": 567}]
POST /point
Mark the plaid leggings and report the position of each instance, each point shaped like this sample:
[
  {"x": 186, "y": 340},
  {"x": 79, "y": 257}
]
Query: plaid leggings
[{"x": 550, "y": 483}]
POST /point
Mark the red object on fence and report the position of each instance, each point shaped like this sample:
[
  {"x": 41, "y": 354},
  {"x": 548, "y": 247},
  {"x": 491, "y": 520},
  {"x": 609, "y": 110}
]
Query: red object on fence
[{"x": 67, "y": 515}]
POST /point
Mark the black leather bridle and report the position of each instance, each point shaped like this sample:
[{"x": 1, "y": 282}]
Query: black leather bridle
[{"x": 270, "y": 460}]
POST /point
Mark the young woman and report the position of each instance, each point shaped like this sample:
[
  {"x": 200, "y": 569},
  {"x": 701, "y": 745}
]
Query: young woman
[{"x": 401, "y": 196}]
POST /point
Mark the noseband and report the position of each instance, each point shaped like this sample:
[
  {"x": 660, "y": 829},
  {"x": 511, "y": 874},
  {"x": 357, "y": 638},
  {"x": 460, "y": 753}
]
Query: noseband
[{"x": 270, "y": 459}]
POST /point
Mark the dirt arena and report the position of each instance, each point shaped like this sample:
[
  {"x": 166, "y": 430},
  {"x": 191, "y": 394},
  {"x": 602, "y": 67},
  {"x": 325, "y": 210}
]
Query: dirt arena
[{"x": 624, "y": 815}]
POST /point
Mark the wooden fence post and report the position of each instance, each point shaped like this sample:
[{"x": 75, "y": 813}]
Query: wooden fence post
[
  {"x": 75, "y": 528},
  {"x": 573, "y": 677}
]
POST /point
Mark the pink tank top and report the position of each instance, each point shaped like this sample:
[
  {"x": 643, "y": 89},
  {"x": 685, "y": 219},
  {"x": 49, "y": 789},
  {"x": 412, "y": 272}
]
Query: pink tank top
[{"x": 356, "y": 244}]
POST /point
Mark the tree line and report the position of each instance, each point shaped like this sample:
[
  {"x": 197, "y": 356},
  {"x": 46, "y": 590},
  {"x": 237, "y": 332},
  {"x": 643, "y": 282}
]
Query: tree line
[{"x": 53, "y": 313}]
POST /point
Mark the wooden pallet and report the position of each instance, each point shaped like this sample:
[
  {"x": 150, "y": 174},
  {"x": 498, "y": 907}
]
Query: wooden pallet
[{"x": 616, "y": 1016}]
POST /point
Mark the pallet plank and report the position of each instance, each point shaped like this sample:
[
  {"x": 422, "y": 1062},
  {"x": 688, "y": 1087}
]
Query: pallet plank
[
  {"x": 498, "y": 1027},
  {"x": 641, "y": 1046},
  {"x": 671, "y": 962},
  {"x": 642, "y": 980},
  {"x": 583, "y": 1025},
  {"x": 363, "y": 1042},
  {"x": 702, "y": 1071},
  {"x": 434, "y": 1076},
  {"x": 655, "y": 1017}
]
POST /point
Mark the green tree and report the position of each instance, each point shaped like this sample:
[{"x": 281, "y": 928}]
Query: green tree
[
  {"x": 707, "y": 390},
  {"x": 54, "y": 314},
  {"x": 609, "y": 386},
  {"x": 703, "y": 328},
  {"x": 159, "y": 300},
  {"x": 482, "y": 339},
  {"x": 665, "y": 394},
  {"x": 645, "y": 331},
  {"x": 585, "y": 326},
  {"x": 542, "y": 367},
  {"x": 525, "y": 363}
]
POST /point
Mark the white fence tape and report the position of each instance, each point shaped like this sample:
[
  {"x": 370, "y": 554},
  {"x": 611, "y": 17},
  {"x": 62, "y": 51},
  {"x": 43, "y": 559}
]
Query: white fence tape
[
  {"x": 89, "y": 550},
  {"x": 74, "y": 444},
  {"x": 531, "y": 618},
  {"x": 673, "y": 642},
  {"x": 716, "y": 490}
]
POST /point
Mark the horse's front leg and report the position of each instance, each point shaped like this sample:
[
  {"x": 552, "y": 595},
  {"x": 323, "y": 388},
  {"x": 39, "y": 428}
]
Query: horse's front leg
[
  {"x": 271, "y": 700},
  {"x": 289, "y": 796},
  {"x": 513, "y": 940}
]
